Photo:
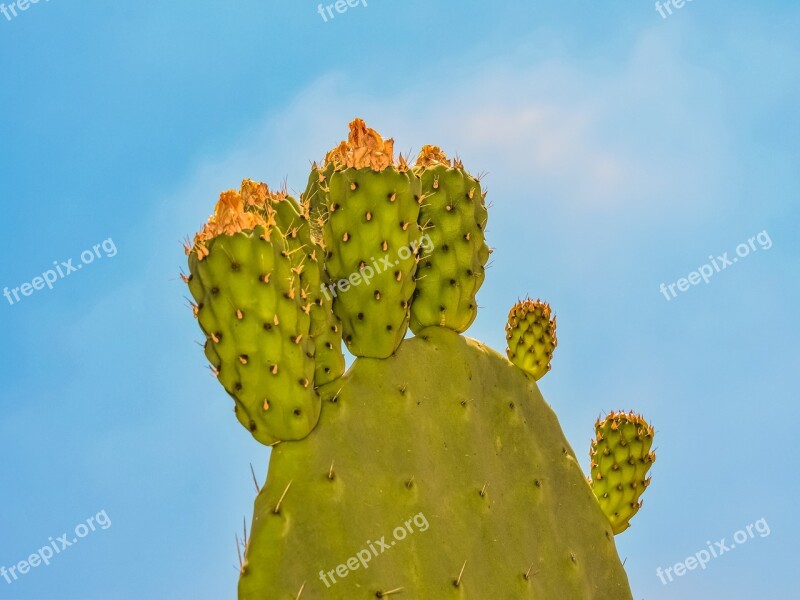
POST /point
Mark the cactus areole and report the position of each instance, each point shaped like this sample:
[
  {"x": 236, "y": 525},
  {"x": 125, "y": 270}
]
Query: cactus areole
[{"x": 432, "y": 468}]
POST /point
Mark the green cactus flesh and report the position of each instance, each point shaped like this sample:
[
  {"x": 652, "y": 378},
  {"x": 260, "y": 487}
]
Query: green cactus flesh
[
  {"x": 451, "y": 272},
  {"x": 372, "y": 237},
  {"x": 315, "y": 197},
  {"x": 621, "y": 458},
  {"x": 257, "y": 332},
  {"x": 477, "y": 455},
  {"x": 325, "y": 330}
]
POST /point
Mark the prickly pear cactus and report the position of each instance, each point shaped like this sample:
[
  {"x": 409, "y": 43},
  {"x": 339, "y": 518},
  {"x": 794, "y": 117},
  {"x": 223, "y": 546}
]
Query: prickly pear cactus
[
  {"x": 314, "y": 196},
  {"x": 433, "y": 468}
]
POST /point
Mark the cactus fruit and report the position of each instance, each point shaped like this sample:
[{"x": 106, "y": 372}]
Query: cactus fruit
[
  {"x": 372, "y": 237},
  {"x": 621, "y": 458},
  {"x": 531, "y": 337},
  {"x": 453, "y": 214},
  {"x": 437, "y": 430}
]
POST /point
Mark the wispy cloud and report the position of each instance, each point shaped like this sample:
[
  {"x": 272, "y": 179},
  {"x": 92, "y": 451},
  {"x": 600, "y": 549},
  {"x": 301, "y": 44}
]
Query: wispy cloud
[{"x": 588, "y": 136}]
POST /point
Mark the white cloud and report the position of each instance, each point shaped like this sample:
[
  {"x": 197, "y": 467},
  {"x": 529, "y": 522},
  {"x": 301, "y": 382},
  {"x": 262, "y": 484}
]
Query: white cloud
[{"x": 588, "y": 136}]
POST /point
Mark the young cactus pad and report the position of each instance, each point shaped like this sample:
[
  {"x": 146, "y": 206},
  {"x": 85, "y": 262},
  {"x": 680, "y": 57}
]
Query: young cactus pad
[
  {"x": 453, "y": 215},
  {"x": 621, "y": 458},
  {"x": 531, "y": 337},
  {"x": 307, "y": 263},
  {"x": 373, "y": 211},
  {"x": 251, "y": 306}
]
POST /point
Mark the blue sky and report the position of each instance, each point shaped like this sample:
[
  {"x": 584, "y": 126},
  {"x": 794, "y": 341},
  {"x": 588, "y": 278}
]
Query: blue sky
[{"x": 620, "y": 149}]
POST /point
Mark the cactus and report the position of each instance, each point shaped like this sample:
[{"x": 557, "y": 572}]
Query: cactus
[
  {"x": 436, "y": 430},
  {"x": 245, "y": 277},
  {"x": 531, "y": 337},
  {"x": 307, "y": 258},
  {"x": 371, "y": 236},
  {"x": 314, "y": 196},
  {"x": 621, "y": 458},
  {"x": 454, "y": 216}
]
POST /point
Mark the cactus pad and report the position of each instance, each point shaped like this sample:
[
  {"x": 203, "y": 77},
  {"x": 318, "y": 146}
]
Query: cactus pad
[
  {"x": 250, "y": 307},
  {"x": 293, "y": 221},
  {"x": 372, "y": 238},
  {"x": 621, "y": 458},
  {"x": 478, "y": 454},
  {"x": 531, "y": 337},
  {"x": 314, "y": 197},
  {"x": 451, "y": 272}
]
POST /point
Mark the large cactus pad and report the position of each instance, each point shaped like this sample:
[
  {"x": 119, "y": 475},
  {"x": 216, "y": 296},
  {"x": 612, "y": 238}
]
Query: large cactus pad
[{"x": 439, "y": 473}]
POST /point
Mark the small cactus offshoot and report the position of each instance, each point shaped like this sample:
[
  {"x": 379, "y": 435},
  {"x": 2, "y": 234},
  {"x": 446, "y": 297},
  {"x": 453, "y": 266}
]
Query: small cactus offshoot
[
  {"x": 621, "y": 457},
  {"x": 531, "y": 337}
]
